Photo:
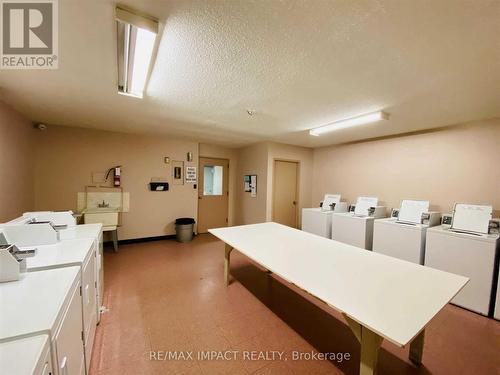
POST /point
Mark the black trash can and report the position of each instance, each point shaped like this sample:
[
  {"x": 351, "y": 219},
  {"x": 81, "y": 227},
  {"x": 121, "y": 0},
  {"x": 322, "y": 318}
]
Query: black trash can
[{"x": 184, "y": 227}]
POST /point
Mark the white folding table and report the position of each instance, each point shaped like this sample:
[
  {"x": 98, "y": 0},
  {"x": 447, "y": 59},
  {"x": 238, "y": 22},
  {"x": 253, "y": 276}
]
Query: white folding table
[{"x": 380, "y": 297}]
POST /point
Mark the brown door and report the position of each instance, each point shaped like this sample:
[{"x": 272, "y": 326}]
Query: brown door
[
  {"x": 285, "y": 192},
  {"x": 213, "y": 200}
]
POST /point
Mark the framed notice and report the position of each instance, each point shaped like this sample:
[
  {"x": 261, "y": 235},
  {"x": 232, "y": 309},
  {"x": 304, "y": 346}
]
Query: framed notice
[
  {"x": 253, "y": 185},
  {"x": 250, "y": 184},
  {"x": 191, "y": 175}
]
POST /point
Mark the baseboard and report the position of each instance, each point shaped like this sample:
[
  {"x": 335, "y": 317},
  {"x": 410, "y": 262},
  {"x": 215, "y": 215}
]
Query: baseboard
[{"x": 144, "y": 239}]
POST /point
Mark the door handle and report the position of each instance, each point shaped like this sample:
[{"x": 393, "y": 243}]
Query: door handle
[
  {"x": 199, "y": 197},
  {"x": 294, "y": 203}
]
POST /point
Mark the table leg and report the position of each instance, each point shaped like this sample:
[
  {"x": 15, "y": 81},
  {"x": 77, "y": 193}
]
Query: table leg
[
  {"x": 114, "y": 235},
  {"x": 227, "y": 253},
  {"x": 417, "y": 348},
  {"x": 370, "y": 344}
]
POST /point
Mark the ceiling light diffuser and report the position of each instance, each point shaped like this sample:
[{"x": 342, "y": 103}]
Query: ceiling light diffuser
[
  {"x": 136, "y": 40},
  {"x": 348, "y": 123}
]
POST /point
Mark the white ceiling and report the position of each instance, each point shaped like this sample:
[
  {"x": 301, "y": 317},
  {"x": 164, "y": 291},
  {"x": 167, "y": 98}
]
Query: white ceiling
[{"x": 297, "y": 64}]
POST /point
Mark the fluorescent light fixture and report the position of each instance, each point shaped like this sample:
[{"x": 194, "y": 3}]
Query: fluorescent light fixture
[
  {"x": 347, "y": 123},
  {"x": 136, "y": 41}
]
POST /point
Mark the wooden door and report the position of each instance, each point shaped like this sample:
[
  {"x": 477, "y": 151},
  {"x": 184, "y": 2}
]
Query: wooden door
[
  {"x": 213, "y": 194},
  {"x": 285, "y": 192}
]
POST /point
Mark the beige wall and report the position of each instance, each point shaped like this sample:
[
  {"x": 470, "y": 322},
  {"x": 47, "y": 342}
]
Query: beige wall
[
  {"x": 66, "y": 158},
  {"x": 259, "y": 159},
  {"x": 457, "y": 164},
  {"x": 220, "y": 152},
  {"x": 252, "y": 160},
  {"x": 16, "y": 164},
  {"x": 303, "y": 155}
]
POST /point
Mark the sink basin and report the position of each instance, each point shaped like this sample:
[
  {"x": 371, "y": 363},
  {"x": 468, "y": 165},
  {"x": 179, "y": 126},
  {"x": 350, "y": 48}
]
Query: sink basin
[
  {"x": 100, "y": 210},
  {"x": 106, "y": 216}
]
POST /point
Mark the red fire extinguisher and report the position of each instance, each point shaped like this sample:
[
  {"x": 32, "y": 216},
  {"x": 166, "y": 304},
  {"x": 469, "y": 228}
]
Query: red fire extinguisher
[{"x": 116, "y": 175}]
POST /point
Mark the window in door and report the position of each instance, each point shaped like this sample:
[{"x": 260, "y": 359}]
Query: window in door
[{"x": 212, "y": 179}]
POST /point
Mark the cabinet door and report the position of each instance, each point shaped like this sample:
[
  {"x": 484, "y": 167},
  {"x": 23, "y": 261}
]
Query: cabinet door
[
  {"x": 47, "y": 366},
  {"x": 47, "y": 369},
  {"x": 99, "y": 273},
  {"x": 68, "y": 340},
  {"x": 89, "y": 301},
  {"x": 89, "y": 293},
  {"x": 44, "y": 366}
]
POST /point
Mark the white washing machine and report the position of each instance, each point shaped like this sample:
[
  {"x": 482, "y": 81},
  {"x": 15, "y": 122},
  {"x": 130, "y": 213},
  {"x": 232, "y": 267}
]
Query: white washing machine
[
  {"x": 317, "y": 221},
  {"x": 356, "y": 226},
  {"x": 467, "y": 254},
  {"x": 353, "y": 230},
  {"x": 403, "y": 240},
  {"x": 400, "y": 240}
]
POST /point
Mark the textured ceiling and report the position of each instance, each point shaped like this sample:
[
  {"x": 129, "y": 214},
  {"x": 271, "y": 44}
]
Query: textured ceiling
[{"x": 296, "y": 64}]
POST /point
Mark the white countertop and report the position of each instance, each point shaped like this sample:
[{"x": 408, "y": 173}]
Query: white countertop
[
  {"x": 32, "y": 304},
  {"x": 64, "y": 253},
  {"x": 81, "y": 231},
  {"x": 392, "y": 297},
  {"x": 20, "y": 357}
]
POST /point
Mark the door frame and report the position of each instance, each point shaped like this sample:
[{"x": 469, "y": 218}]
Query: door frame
[
  {"x": 297, "y": 184},
  {"x": 199, "y": 186}
]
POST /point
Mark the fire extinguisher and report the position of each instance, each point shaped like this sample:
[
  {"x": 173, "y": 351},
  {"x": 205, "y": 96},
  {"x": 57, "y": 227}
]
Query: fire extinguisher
[{"x": 116, "y": 175}]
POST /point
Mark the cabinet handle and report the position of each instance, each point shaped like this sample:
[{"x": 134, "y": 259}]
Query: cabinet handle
[
  {"x": 64, "y": 367},
  {"x": 87, "y": 293}
]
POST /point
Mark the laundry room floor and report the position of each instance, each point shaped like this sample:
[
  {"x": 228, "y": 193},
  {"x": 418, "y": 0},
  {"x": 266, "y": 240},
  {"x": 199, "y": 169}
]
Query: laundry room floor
[{"x": 164, "y": 297}]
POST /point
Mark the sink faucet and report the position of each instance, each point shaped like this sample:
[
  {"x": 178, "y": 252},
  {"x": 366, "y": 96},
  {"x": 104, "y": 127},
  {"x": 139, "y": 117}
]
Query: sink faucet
[{"x": 103, "y": 204}]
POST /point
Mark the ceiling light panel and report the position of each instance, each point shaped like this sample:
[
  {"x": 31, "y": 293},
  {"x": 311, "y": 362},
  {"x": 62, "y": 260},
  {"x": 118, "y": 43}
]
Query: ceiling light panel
[
  {"x": 136, "y": 37},
  {"x": 350, "y": 122}
]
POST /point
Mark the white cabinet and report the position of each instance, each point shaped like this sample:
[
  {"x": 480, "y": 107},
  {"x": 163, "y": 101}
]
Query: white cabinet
[
  {"x": 100, "y": 273},
  {"x": 89, "y": 303},
  {"x": 26, "y": 356},
  {"x": 68, "y": 253},
  {"x": 67, "y": 342},
  {"x": 94, "y": 232},
  {"x": 48, "y": 302}
]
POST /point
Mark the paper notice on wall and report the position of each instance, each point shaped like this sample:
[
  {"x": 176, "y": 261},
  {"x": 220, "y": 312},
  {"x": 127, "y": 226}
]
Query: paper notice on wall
[
  {"x": 411, "y": 211},
  {"x": 471, "y": 218},
  {"x": 246, "y": 184},
  {"x": 253, "y": 186},
  {"x": 363, "y": 204},
  {"x": 191, "y": 175}
]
